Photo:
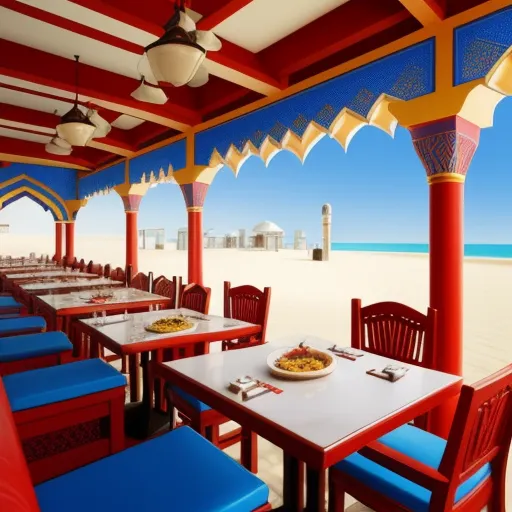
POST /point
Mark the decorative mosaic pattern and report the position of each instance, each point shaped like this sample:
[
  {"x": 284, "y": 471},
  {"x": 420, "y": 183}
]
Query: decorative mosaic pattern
[
  {"x": 26, "y": 188},
  {"x": 61, "y": 181},
  {"x": 446, "y": 146},
  {"x": 405, "y": 75},
  {"x": 480, "y": 44},
  {"x": 131, "y": 202},
  {"x": 160, "y": 161},
  {"x": 194, "y": 193},
  {"x": 101, "y": 182}
]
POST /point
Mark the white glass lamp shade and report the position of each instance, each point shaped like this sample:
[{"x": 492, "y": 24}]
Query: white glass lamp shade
[
  {"x": 174, "y": 59},
  {"x": 77, "y": 134},
  {"x": 200, "y": 78},
  {"x": 175, "y": 63},
  {"x": 58, "y": 147},
  {"x": 149, "y": 93},
  {"x": 64, "y": 144},
  {"x": 75, "y": 127}
]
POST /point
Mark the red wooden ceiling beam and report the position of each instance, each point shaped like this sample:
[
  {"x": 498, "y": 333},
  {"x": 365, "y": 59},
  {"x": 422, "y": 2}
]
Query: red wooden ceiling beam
[
  {"x": 426, "y": 11},
  {"x": 24, "y": 148},
  {"x": 214, "y": 15},
  {"x": 339, "y": 29},
  {"x": 231, "y": 57},
  {"x": 35, "y": 66}
]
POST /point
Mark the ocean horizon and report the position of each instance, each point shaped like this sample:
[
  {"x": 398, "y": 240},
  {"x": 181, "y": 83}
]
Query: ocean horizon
[{"x": 470, "y": 250}]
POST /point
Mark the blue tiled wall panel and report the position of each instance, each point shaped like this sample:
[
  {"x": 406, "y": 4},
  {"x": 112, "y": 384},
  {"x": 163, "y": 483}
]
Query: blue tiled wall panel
[
  {"x": 407, "y": 74},
  {"x": 480, "y": 44},
  {"x": 174, "y": 154},
  {"x": 61, "y": 181},
  {"x": 102, "y": 180}
]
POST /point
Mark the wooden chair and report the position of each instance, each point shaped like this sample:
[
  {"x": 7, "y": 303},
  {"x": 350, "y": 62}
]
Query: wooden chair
[
  {"x": 94, "y": 268},
  {"x": 82, "y": 265},
  {"x": 140, "y": 282},
  {"x": 248, "y": 304},
  {"x": 196, "y": 297},
  {"x": 167, "y": 288},
  {"x": 394, "y": 330},
  {"x": 118, "y": 275},
  {"x": 107, "y": 270},
  {"x": 409, "y": 469},
  {"x": 202, "y": 418}
]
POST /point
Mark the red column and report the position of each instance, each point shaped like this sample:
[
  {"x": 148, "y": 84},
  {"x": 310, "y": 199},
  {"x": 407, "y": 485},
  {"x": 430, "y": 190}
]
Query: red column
[
  {"x": 446, "y": 148},
  {"x": 58, "y": 242},
  {"x": 195, "y": 194},
  {"x": 131, "y": 207},
  {"x": 70, "y": 242}
]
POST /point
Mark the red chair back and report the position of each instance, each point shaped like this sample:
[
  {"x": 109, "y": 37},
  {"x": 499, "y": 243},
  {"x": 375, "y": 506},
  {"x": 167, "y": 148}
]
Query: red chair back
[
  {"x": 196, "y": 297},
  {"x": 248, "y": 304},
  {"x": 94, "y": 268},
  {"x": 107, "y": 270},
  {"x": 481, "y": 433},
  {"x": 82, "y": 265},
  {"x": 118, "y": 275},
  {"x": 16, "y": 489},
  {"x": 167, "y": 288},
  {"x": 140, "y": 282},
  {"x": 394, "y": 330}
]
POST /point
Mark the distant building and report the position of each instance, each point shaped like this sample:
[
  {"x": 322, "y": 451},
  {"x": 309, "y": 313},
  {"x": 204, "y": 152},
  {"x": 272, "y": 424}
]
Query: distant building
[
  {"x": 299, "y": 241},
  {"x": 267, "y": 235},
  {"x": 4, "y": 228},
  {"x": 182, "y": 244}
]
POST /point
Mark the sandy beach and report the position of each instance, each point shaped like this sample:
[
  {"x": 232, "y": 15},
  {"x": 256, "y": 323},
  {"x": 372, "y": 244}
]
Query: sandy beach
[{"x": 314, "y": 297}]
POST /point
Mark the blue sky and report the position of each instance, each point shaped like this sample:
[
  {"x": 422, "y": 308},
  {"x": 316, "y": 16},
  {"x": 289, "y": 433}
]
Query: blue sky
[{"x": 377, "y": 189}]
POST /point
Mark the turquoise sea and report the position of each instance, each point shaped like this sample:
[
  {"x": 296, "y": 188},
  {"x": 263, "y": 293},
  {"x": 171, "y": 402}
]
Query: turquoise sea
[{"x": 472, "y": 250}]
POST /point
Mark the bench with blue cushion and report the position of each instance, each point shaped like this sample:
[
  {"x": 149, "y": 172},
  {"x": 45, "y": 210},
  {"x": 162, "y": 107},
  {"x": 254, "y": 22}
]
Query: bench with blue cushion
[
  {"x": 182, "y": 471},
  {"x": 22, "y": 325},
  {"x": 194, "y": 402},
  {"x": 10, "y": 305},
  {"x": 32, "y": 351},
  {"x": 419, "y": 445},
  {"x": 73, "y": 400}
]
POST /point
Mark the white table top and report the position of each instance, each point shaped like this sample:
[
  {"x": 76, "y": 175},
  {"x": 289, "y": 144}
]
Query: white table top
[
  {"x": 79, "y": 283},
  {"x": 324, "y": 411},
  {"x": 28, "y": 267},
  {"x": 80, "y": 299},
  {"x": 132, "y": 330},
  {"x": 52, "y": 273}
]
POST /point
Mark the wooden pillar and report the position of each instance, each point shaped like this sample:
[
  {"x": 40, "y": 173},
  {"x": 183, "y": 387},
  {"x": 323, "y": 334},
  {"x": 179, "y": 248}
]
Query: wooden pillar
[
  {"x": 58, "y": 242},
  {"x": 446, "y": 148},
  {"x": 131, "y": 207},
  {"x": 70, "y": 242},
  {"x": 195, "y": 194}
]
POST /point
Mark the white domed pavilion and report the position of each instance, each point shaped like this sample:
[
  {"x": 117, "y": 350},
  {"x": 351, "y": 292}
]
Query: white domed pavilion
[{"x": 267, "y": 235}]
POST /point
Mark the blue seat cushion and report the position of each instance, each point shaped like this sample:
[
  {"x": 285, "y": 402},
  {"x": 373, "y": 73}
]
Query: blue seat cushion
[
  {"x": 194, "y": 402},
  {"x": 22, "y": 323},
  {"x": 44, "y": 386},
  {"x": 15, "y": 348},
  {"x": 419, "y": 445},
  {"x": 9, "y": 302},
  {"x": 4, "y": 316},
  {"x": 179, "y": 471}
]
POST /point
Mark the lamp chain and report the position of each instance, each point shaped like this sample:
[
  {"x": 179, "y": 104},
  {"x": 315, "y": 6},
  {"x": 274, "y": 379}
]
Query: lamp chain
[{"x": 76, "y": 78}]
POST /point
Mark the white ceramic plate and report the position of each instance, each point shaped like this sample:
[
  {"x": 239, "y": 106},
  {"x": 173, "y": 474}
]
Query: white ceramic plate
[{"x": 278, "y": 372}]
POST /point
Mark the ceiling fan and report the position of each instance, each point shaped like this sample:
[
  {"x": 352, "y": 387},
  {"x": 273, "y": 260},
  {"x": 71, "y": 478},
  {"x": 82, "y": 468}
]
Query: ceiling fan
[{"x": 177, "y": 58}]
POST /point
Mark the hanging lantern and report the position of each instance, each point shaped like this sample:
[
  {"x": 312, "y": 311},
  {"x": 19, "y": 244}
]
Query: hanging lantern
[
  {"x": 149, "y": 93},
  {"x": 175, "y": 57},
  {"x": 75, "y": 127}
]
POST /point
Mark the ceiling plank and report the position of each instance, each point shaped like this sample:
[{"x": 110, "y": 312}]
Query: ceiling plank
[
  {"x": 22, "y": 151},
  {"x": 427, "y": 12},
  {"x": 231, "y": 63},
  {"x": 211, "y": 19},
  {"x": 339, "y": 29},
  {"x": 115, "y": 142},
  {"x": 105, "y": 88}
]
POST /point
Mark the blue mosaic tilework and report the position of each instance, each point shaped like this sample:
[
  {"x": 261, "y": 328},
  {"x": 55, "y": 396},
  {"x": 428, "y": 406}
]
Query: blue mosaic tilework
[
  {"x": 480, "y": 44},
  {"x": 32, "y": 186},
  {"x": 174, "y": 154},
  {"x": 100, "y": 181},
  {"x": 62, "y": 181},
  {"x": 406, "y": 75}
]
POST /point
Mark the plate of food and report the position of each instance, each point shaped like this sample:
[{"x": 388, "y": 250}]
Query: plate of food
[
  {"x": 300, "y": 363},
  {"x": 171, "y": 325}
]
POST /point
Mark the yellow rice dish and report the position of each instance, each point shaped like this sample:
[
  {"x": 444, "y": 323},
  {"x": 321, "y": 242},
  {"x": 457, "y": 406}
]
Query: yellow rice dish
[
  {"x": 170, "y": 324},
  {"x": 303, "y": 359}
]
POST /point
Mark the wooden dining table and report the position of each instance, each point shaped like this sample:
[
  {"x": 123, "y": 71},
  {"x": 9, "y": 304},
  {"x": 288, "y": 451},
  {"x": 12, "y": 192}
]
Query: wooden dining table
[
  {"x": 60, "y": 311},
  {"x": 127, "y": 336},
  {"x": 317, "y": 423}
]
